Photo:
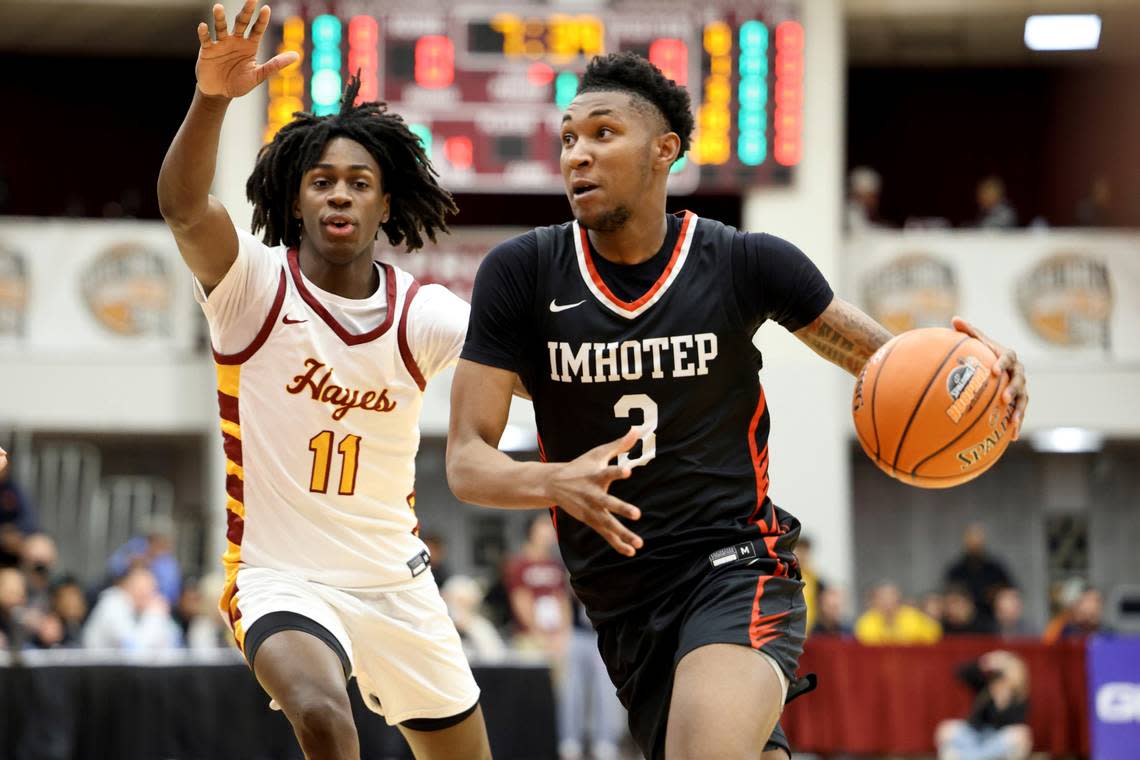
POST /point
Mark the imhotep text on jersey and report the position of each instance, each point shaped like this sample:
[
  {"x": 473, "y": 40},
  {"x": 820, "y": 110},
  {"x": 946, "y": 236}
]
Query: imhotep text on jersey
[{"x": 671, "y": 356}]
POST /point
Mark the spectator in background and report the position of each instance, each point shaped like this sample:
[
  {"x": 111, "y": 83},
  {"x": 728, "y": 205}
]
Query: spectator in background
[
  {"x": 994, "y": 210},
  {"x": 1087, "y": 616},
  {"x": 200, "y": 627},
  {"x": 69, "y": 604},
  {"x": 437, "y": 550},
  {"x": 933, "y": 605},
  {"x": 812, "y": 583},
  {"x": 587, "y": 702},
  {"x": 11, "y": 545},
  {"x": 960, "y": 614},
  {"x": 1064, "y": 598},
  {"x": 996, "y": 726},
  {"x": 464, "y": 598},
  {"x": 537, "y": 585},
  {"x": 154, "y": 547},
  {"x": 889, "y": 621},
  {"x": 38, "y": 560},
  {"x": 832, "y": 617},
  {"x": 132, "y": 615},
  {"x": 1095, "y": 209},
  {"x": 1009, "y": 614},
  {"x": 47, "y": 630},
  {"x": 16, "y": 510},
  {"x": 979, "y": 572},
  {"x": 497, "y": 599},
  {"x": 14, "y": 632},
  {"x": 863, "y": 187}
]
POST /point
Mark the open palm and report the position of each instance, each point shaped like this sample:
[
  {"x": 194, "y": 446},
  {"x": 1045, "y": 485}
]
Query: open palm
[{"x": 227, "y": 66}]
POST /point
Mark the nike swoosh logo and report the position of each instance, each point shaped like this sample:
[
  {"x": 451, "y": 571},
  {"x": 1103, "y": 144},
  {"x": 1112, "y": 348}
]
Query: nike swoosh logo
[
  {"x": 293, "y": 321},
  {"x": 556, "y": 308}
]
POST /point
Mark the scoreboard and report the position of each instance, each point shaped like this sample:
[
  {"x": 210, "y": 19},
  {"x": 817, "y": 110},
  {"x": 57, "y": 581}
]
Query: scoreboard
[{"x": 484, "y": 86}]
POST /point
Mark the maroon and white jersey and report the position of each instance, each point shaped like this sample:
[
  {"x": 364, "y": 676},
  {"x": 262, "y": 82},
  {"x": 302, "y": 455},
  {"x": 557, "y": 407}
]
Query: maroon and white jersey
[{"x": 320, "y": 400}]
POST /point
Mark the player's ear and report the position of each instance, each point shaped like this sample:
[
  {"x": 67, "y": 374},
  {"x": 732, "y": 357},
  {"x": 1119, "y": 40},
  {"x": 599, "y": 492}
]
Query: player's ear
[
  {"x": 668, "y": 147},
  {"x": 296, "y": 208}
]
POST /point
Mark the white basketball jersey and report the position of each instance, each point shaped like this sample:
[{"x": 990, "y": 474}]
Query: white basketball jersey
[{"x": 320, "y": 428}]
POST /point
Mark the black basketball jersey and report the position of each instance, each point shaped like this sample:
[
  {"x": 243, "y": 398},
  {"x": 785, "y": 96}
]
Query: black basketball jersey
[{"x": 677, "y": 361}]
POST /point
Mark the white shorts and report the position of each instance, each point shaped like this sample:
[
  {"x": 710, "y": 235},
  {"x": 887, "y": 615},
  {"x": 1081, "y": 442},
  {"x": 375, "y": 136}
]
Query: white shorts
[{"x": 401, "y": 645}]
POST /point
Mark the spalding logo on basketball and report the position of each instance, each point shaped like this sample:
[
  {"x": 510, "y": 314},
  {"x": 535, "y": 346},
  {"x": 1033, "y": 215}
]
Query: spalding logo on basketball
[{"x": 928, "y": 409}]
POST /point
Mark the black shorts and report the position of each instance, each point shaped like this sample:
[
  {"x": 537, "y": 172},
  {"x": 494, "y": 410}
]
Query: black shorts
[{"x": 730, "y": 604}]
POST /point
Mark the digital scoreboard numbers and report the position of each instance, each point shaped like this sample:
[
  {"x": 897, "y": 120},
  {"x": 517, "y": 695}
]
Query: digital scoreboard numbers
[{"x": 484, "y": 87}]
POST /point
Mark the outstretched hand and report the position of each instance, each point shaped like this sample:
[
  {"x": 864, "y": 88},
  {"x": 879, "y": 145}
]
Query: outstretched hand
[
  {"x": 1016, "y": 392},
  {"x": 581, "y": 489},
  {"x": 3, "y": 462},
  {"x": 227, "y": 66}
]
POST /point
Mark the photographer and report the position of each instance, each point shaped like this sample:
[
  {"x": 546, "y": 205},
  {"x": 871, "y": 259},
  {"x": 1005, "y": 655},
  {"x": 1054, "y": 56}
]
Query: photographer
[{"x": 996, "y": 727}]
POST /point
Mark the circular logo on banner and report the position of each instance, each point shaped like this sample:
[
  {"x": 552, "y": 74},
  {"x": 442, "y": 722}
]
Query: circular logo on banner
[
  {"x": 127, "y": 289},
  {"x": 13, "y": 292},
  {"x": 914, "y": 290},
  {"x": 1067, "y": 300}
]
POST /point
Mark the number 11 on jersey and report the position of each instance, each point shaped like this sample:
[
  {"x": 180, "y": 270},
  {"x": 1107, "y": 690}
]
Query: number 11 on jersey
[
  {"x": 349, "y": 450},
  {"x": 648, "y": 408}
]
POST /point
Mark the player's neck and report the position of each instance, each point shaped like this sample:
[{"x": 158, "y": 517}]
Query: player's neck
[
  {"x": 355, "y": 279},
  {"x": 638, "y": 240}
]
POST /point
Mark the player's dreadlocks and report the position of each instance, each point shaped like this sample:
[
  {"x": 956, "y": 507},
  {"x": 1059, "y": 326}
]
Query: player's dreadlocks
[
  {"x": 629, "y": 72},
  {"x": 418, "y": 203}
]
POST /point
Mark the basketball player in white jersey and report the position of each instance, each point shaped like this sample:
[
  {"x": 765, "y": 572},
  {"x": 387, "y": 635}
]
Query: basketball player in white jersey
[{"x": 322, "y": 355}]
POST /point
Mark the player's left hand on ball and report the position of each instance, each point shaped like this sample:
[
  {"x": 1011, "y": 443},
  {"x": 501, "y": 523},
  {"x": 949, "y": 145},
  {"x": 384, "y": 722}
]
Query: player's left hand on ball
[{"x": 1017, "y": 391}]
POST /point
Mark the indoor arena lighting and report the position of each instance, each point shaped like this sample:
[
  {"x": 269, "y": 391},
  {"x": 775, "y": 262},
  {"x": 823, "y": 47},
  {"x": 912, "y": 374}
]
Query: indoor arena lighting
[
  {"x": 363, "y": 35},
  {"x": 1066, "y": 440},
  {"x": 1062, "y": 32},
  {"x": 788, "y": 140},
  {"x": 752, "y": 117},
  {"x": 325, "y": 85}
]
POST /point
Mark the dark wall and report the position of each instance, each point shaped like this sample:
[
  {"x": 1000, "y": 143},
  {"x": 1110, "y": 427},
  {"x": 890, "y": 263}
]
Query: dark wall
[
  {"x": 84, "y": 134},
  {"x": 1047, "y": 131},
  {"x": 80, "y": 134}
]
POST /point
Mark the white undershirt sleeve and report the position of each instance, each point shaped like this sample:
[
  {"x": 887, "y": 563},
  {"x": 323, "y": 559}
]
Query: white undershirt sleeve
[
  {"x": 237, "y": 307},
  {"x": 437, "y": 326}
]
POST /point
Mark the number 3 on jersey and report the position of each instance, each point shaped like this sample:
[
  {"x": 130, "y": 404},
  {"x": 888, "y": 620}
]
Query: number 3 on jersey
[
  {"x": 648, "y": 408},
  {"x": 349, "y": 449}
]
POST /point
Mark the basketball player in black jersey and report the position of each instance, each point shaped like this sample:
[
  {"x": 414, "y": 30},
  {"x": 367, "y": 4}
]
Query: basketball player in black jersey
[{"x": 629, "y": 316}]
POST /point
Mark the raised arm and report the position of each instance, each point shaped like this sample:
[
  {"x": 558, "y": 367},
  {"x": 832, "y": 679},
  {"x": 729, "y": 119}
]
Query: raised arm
[
  {"x": 227, "y": 68},
  {"x": 481, "y": 474}
]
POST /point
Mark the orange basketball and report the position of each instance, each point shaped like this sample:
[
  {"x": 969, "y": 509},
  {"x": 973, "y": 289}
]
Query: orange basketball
[{"x": 928, "y": 410}]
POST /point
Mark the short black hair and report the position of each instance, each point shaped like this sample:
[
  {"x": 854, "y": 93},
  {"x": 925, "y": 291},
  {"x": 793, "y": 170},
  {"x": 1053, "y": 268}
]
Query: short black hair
[
  {"x": 419, "y": 206},
  {"x": 630, "y": 72}
]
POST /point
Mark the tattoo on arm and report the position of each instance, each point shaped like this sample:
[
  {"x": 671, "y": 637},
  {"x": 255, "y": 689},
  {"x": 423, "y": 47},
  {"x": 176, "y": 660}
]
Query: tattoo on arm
[{"x": 844, "y": 335}]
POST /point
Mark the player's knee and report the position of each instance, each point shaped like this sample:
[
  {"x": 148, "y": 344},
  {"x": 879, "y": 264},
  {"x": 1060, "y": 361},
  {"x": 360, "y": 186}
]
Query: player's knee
[{"x": 320, "y": 717}]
